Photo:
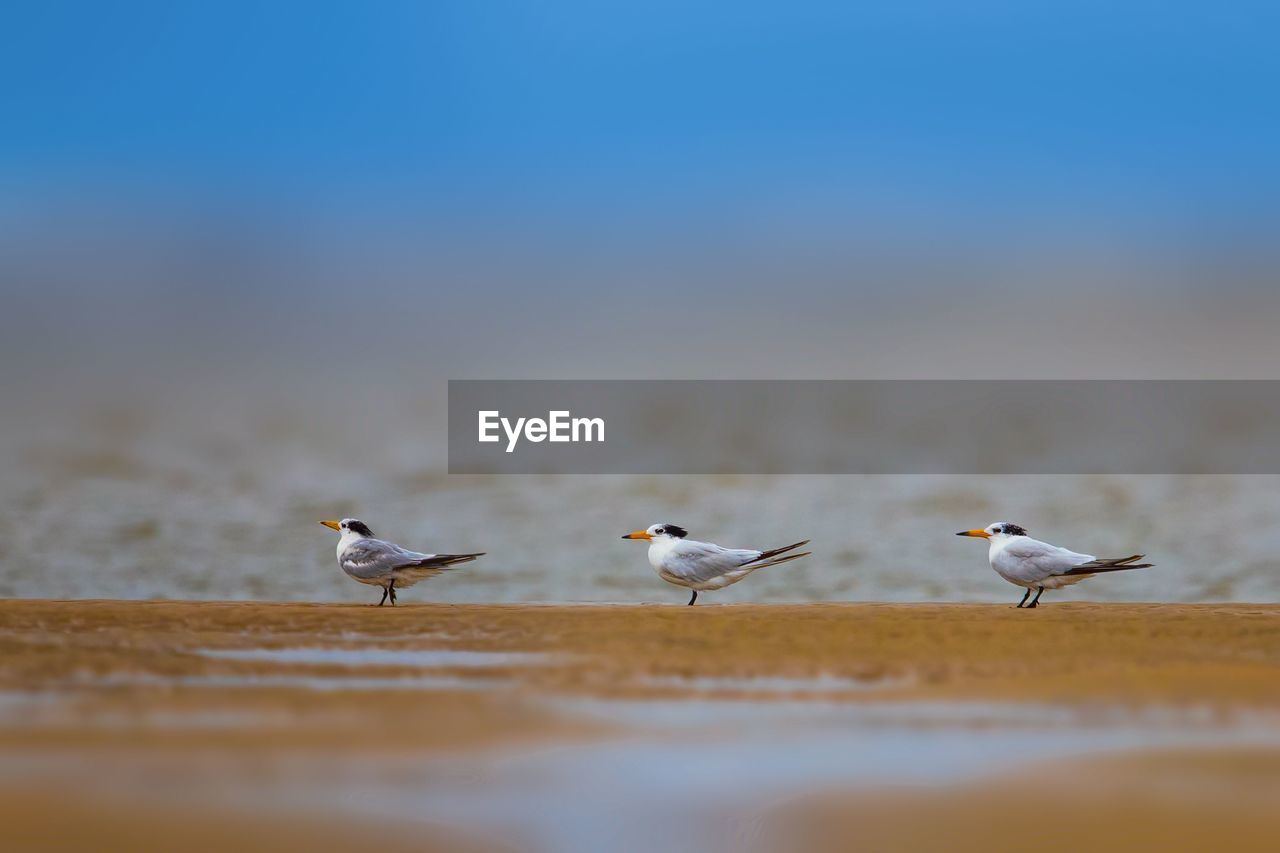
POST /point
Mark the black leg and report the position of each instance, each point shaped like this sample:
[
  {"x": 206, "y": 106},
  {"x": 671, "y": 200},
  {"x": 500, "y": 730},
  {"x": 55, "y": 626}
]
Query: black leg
[
  {"x": 693, "y": 598},
  {"x": 384, "y": 597},
  {"x": 1036, "y": 600},
  {"x": 391, "y": 588},
  {"x": 1025, "y": 597}
]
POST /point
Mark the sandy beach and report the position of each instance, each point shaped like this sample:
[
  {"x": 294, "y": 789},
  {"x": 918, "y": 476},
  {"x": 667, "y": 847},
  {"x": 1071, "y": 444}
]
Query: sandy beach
[
  {"x": 295, "y": 716},
  {"x": 1219, "y": 655}
]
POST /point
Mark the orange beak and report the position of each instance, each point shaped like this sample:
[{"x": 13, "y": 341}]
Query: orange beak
[
  {"x": 332, "y": 525},
  {"x": 981, "y": 534},
  {"x": 638, "y": 534}
]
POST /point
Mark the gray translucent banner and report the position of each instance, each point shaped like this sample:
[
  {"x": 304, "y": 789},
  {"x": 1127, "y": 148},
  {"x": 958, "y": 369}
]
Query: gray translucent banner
[{"x": 864, "y": 427}]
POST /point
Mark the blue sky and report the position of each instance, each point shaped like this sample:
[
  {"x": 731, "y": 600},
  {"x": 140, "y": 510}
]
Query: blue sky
[{"x": 570, "y": 106}]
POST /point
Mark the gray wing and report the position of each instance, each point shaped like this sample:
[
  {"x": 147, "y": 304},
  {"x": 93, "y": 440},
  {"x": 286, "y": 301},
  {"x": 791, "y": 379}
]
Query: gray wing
[
  {"x": 701, "y": 562},
  {"x": 374, "y": 559},
  {"x": 1034, "y": 560}
]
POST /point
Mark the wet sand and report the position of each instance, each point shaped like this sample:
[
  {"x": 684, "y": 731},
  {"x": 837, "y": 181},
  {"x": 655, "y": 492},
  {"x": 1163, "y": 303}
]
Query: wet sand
[
  {"x": 1168, "y": 800},
  {"x": 187, "y": 707},
  {"x": 1215, "y": 654}
]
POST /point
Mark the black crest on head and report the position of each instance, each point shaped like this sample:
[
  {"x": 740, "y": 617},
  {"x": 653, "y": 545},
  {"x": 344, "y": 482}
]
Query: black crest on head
[
  {"x": 1013, "y": 529},
  {"x": 357, "y": 526},
  {"x": 675, "y": 530}
]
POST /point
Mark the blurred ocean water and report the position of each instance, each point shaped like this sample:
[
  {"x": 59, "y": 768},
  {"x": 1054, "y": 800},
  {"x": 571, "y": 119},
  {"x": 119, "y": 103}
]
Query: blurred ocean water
[
  {"x": 164, "y": 497},
  {"x": 183, "y": 402}
]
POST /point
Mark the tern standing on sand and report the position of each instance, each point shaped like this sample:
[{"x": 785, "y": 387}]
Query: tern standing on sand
[
  {"x": 386, "y": 564},
  {"x": 701, "y": 566},
  {"x": 1037, "y": 565}
]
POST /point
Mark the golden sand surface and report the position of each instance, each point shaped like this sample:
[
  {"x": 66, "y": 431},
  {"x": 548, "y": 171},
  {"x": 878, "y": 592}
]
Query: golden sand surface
[
  {"x": 1159, "y": 800},
  {"x": 1208, "y": 654},
  {"x": 51, "y": 821},
  {"x": 118, "y": 703}
]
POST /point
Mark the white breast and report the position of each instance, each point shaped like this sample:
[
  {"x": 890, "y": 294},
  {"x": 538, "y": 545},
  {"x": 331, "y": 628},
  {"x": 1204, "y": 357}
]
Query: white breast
[
  {"x": 660, "y": 550},
  {"x": 344, "y": 541}
]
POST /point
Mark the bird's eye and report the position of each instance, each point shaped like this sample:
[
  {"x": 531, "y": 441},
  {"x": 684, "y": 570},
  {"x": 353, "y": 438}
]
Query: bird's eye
[
  {"x": 659, "y": 530},
  {"x": 996, "y": 529}
]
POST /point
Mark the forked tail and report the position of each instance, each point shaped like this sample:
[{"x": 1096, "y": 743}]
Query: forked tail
[
  {"x": 441, "y": 561},
  {"x": 1109, "y": 565},
  {"x": 776, "y": 556},
  {"x": 768, "y": 555}
]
